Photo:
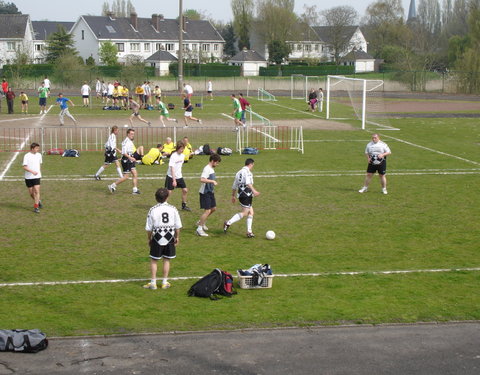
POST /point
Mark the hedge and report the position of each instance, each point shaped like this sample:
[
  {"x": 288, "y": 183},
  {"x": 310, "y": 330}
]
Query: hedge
[
  {"x": 288, "y": 70},
  {"x": 206, "y": 70}
]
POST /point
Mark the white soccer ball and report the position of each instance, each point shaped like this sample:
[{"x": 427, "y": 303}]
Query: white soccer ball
[
  {"x": 270, "y": 235},
  {"x": 125, "y": 126}
]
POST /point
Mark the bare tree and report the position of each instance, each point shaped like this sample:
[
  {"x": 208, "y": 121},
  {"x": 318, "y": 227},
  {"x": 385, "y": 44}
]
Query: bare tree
[
  {"x": 310, "y": 15},
  {"x": 276, "y": 20},
  {"x": 339, "y": 21},
  {"x": 242, "y": 20}
]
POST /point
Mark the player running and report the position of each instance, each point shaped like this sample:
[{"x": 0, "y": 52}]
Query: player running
[
  {"x": 243, "y": 189},
  {"x": 110, "y": 154},
  {"x": 164, "y": 113}
]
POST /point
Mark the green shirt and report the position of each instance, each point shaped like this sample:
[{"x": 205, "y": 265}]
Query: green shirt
[
  {"x": 42, "y": 92},
  {"x": 236, "y": 105}
]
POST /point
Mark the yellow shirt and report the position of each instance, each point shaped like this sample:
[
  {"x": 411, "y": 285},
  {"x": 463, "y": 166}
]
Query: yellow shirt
[
  {"x": 139, "y": 90},
  {"x": 188, "y": 151},
  {"x": 152, "y": 155},
  {"x": 168, "y": 147},
  {"x": 125, "y": 92},
  {"x": 23, "y": 97}
]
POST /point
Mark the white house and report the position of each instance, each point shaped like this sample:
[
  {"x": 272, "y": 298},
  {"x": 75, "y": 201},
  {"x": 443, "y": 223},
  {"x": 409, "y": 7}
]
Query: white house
[
  {"x": 145, "y": 36},
  {"x": 363, "y": 61},
  {"x": 250, "y": 62},
  {"x": 16, "y": 35},
  {"x": 161, "y": 61},
  {"x": 41, "y": 31}
]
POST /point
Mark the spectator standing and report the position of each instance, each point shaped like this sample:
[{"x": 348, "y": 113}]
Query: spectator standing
[
  {"x": 188, "y": 90},
  {"x": 210, "y": 89},
  {"x": 24, "y": 100},
  {"x": 4, "y": 86},
  {"x": 10, "y": 95},
  {"x": 47, "y": 83},
  {"x": 244, "y": 104},
  {"x": 98, "y": 88},
  {"x": 85, "y": 91},
  {"x": 42, "y": 98}
]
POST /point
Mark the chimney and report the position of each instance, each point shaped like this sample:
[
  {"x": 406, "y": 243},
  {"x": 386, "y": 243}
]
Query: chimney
[
  {"x": 133, "y": 20},
  {"x": 110, "y": 15},
  {"x": 156, "y": 22},
  {"x": 160, "y": 17}
]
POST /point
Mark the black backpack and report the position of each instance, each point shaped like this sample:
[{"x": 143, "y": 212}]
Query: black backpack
[
  {"x": 22, "y": 340},
  {"x": 206, "y": 149},
  {"x": 216, "y": 282}
]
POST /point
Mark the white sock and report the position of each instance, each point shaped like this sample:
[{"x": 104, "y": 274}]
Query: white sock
[
  {"x": 100, "y": 171},
  {"x": 153, "y": 281},
  {"x": 164, "y": 281},
  {"x": 235, "y": 218},
  {"x": 119, "y": 170},
  {"x": 114, "y": 185},
  {"x": 249, "y": 223},
  {"x": 199, "y": 228},
  {"x": 135, "y": 189}
]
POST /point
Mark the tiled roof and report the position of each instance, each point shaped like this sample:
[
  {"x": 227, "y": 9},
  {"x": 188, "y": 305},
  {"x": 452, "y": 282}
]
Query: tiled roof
[
  {"x": 358, "y": 55},
  {"x": 105, "y": 27},
  {"x": 247, "y": 55},
  {"x": 43, "y": 29},
  {"x": 161, "y": 55},
  {"x": 325, "y": 32},
  {"x": 13, "y": 25}
]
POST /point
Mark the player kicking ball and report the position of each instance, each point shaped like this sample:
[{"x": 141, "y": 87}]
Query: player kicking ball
[{"x": 243, "y": 189}]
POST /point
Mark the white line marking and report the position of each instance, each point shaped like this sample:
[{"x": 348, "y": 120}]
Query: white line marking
[
  {"x": 227, "y": 116},
  {"x": 431, "y": 149},
  {"x": 21, "y": 118},
  {"x": 340, "y": 273},
  {"x": 296, "y": 110}
]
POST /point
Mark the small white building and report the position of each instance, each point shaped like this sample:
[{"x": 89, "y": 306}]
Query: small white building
[
  {"x": 362, "y": 61},
  {"x": 143, "y": 37},
  {"x": 161, "y": 61},
  {"x": 16, "y": 36},
  {"x": 250, "y": 62}
]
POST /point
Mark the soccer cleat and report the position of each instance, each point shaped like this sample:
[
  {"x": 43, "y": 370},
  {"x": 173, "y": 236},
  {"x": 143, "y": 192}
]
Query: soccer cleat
[
  {"x": 186, "y": 208},
  {"x": 384, "y": 191},
  {"x": 111, "y": 188},
  {"x": 225, "y": 227},
  {"x": 150, "y": 286},
  {"x": 40, "y": 205},
  {"x": 204, "y": 227},
  {"x": 137, "y": 192},
  {"x": 36, "y": 210},
  {"x": 97, "y": 177},
  {"x": 200, "y": 232},
  {"x": 166, "y": 285},
  {"x": 363, "y": 190},
  {"x": 250, "y": 235},
  {"x": 41, "y": 112},
  {"x": 185, "y": 127},
  {"x": 149, "y": 123},
  {"x": 199, "y": 121}
]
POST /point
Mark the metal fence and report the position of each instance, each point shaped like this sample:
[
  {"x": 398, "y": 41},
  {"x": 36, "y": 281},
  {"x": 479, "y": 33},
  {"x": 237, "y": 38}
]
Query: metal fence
[{"x": 93, "y": 138}]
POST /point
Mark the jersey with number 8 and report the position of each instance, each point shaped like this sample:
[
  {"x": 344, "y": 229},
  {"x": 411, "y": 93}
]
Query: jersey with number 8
[{"x": 162, "y": 220}]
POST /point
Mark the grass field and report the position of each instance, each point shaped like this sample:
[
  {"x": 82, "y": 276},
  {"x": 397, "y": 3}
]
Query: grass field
[{"x": 429, "y": 221}]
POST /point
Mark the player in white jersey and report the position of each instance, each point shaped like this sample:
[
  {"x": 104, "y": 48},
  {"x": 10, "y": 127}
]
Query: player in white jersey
[
  {"x": 174, "y": 177},
  {"x": 207, "y": 195},
  {"x": 376, "y": 153},
  {"x": 128, "y": 164},
  {"x": 32, "y": 162},
  {"x": 163, "y": 234},
  {"x": 243, "y": 189},
  {"x": 110, "y": 154}
]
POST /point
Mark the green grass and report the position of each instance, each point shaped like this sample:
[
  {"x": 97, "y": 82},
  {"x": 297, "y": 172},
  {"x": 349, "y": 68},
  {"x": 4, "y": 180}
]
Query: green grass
[{"x": 428, "y": 221}]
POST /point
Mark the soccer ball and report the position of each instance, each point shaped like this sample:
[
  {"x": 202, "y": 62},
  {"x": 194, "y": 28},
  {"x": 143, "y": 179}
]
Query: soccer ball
[
  {"x": 270, "y": 235},
  {"x": 125, "y": 126}
]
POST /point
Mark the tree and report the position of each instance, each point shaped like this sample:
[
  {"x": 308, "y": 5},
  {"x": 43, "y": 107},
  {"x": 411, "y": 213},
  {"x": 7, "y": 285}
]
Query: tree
[
  {"x": 108, "y": 54},
  {"x": 119, "y": 8},
  {"x": 310, "y": 15},
  {"x": 338, "y": 20},
  {"x": 8, "y": 8},
  {"x": 133, "y": 72},
  {"x": 60, "y": 43},
  {"x": 276, "y": 20},
  {"x": 242, "y": 20},
  {"x": 228, "y": 34},
  {"x": 193, "y": 14},
  {"x": 70, "y": 70},
  {"x": 278, "y": 51}
]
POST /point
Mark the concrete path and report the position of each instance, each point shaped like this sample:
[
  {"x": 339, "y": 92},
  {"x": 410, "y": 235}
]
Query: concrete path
[{"x": 439, "y": 349}]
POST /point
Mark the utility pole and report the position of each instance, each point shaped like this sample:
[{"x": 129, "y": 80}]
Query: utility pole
[{"x": 180, "y": 45}]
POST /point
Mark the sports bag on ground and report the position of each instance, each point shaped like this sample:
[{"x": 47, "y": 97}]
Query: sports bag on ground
[
  {"x": 71, "y": 153},
  {"x": 224, "y": 151},
  {"x": 22, "y": 340},
  {"x": 250, "y": 151},
  {"x": 217, "y": 282}
]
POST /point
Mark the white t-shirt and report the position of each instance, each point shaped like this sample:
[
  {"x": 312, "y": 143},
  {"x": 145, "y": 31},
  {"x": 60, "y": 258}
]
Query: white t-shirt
[
  {"x": 85, "y": 90},
  {"x": 111, "y": 142},
  {"x": 128, "y": 147},
  {"x": 176, "y": 161},
  {"x": 208, "y": 173},
  {"x": 32, "y": 161},
  {"x": 162, "y": 220},
  {"x": 243, "y": 178},
  {"x": 110, "y": 89},
  {"x": 46, "y": 82},
  {"x": 98, "y": 86},
  {"x": 188, "y": 89},
  {"x": 209, "y": 86},
  {"x": 373, "y": 148}
]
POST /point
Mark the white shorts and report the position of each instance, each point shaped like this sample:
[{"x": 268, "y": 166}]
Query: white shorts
[{"x": 188, "y": 114}]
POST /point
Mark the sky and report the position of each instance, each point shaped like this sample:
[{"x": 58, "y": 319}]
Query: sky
[{"x": 218, "y": 9}]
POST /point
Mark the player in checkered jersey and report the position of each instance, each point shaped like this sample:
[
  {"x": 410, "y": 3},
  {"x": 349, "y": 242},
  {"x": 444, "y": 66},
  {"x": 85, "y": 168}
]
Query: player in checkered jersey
[
  {"x": 163, "y": 233},
  {"x": 376, "y": 153},
  {"x": 243, "y": 189}
]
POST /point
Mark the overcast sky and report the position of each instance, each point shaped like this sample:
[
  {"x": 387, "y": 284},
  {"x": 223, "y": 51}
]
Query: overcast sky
[{"x": 52, "y": 10}]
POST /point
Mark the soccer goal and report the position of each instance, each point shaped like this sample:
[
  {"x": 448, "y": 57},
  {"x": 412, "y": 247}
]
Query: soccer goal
[
  {"x": 265, "y": 96},
  {"x": 300, "y": 85},
  {"x": 356, "y": 98}
]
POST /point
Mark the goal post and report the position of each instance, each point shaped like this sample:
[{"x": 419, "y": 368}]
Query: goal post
[{"x": 356, "y": 98}]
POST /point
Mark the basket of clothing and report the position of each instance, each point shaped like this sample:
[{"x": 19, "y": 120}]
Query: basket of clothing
[{"x": 256, "y": 277}]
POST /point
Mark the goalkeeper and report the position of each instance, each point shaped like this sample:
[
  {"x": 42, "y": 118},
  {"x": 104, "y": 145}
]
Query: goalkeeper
[
  {"x": 376, "y": 153},
  {"x": 153, "y": 156}
]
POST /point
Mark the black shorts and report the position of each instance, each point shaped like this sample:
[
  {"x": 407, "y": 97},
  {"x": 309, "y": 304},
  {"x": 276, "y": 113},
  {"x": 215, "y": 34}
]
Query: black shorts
[
  {"x": 245, "y": 201},
  {"x": 207, "y": 201},
  {"x": 42, "y": 101},
  {"x": 380, "y": 168},
  {"x": 158, "y": 252},
  {"x": 85, "y": 96},
  {"x": 31, "y": 182},
  {"x": 110, "y": 157},
  {"x": 169, "y": 183},
  {"x": 137, "y": 156},
  {"x": 127, "y": 165}
]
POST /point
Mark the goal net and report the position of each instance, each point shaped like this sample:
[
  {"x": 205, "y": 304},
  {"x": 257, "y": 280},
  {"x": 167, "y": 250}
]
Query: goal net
[
  {"x": 300, "y": 85},
  {"x": 265, "y": 96},
  {"x": 355, "y": 98}
]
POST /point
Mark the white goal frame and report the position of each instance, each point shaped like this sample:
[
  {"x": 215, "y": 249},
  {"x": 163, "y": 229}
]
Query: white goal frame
[{"x": 376, "y": 83}]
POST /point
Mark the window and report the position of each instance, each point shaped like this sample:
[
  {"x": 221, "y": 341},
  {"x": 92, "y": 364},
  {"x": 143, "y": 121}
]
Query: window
[
  {"x": 83, "y": 34},
  {"x": 135, "y": 47},
  {"x": 120, "y": 47},
  {"x": 146, "y": 47},
  {"x": 308, "y": 48},
  {"x": 185, "y": 48},
  {"x": 110, "y": 29},
  {"x": 170, "y": 46},
  {"x": 11, "y": 46},
  {"x": 316, "y": 47},
  {"x": 38, "y": 47},
  {"x": 215, "y": 47},
  {"x": 194, "y": 47},
  {"x": 299, "y": 47},
  {"x": 206, "y": 47}
]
